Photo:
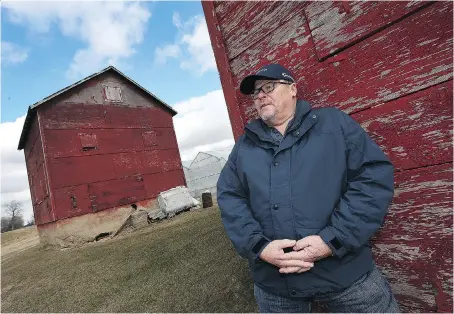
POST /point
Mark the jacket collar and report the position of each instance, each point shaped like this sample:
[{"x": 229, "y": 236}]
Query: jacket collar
[{"x": 258, "y": 129}]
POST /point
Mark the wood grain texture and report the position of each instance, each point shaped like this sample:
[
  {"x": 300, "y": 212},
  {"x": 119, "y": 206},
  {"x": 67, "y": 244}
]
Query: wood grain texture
[
  {"x": 333, "y": 28},
  {"x": 252, "y": 21},
  {"x": 222, "y": 8},
  {"x": 108, "y": 194},
  {"x": 225, "y": 73},
  {"x": 161, "y": 181},
  {"x": 402, "y": 59},
  {"x": 72, "y": 201},
  {"x": 414, "y": 247},
  {"x": 416, "y": 130},
  {"x": 389, "y": 64}
]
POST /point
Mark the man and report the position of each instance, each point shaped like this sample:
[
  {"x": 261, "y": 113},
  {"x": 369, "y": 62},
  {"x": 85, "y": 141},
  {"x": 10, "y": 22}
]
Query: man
[{"x": 302, "y": 192}]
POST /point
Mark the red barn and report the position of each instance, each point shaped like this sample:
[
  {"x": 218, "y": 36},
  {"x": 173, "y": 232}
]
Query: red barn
[
  {"x": 95, "y": 149},
  {"x": 389, "y": 65}
]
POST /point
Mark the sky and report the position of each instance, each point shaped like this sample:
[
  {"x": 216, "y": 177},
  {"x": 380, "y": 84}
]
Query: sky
[{"x": 163, "y": 46}]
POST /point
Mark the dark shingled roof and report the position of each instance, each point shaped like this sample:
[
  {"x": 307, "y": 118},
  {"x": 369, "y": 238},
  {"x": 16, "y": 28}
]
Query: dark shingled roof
[{"x": 31, "y": 112}]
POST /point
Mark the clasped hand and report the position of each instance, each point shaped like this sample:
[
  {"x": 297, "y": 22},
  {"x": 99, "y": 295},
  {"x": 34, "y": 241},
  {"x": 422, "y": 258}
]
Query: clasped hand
[{"x": 305, "y": 252}]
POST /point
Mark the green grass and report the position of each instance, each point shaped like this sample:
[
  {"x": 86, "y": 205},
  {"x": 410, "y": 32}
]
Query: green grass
[{"x": 186, "y": 264}]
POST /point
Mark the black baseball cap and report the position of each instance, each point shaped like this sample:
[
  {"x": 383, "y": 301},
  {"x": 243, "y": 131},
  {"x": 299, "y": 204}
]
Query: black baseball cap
[{"x": 273, "y": 71}]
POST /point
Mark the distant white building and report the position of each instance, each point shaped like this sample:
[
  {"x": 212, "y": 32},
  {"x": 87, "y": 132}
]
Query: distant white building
[{"x": 202, "y": 173}]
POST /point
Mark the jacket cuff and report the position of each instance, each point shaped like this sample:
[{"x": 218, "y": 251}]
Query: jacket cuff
[
  {"x": 258, "y": 247},
  {"x": 333, "y": 242}
]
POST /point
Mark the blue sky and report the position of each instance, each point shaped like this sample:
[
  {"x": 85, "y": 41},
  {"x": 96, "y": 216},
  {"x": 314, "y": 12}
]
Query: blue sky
[
  {"x": 50, "y": 53},
  {"x": 164, "y": 46}
]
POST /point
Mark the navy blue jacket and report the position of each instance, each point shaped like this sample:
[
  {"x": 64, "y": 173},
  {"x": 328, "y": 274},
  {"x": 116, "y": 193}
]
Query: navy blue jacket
[{"x": 326, "y": 177}]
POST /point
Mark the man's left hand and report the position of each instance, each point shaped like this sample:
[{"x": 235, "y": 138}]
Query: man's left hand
[{"x": 310, "y": 249}]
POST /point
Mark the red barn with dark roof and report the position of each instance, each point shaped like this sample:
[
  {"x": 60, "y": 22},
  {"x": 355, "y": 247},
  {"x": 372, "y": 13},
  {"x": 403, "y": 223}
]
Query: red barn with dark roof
[{"x": 93, "y": 150}]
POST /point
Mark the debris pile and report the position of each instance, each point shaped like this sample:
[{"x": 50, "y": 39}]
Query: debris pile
[{"x": 169, "y": 204}]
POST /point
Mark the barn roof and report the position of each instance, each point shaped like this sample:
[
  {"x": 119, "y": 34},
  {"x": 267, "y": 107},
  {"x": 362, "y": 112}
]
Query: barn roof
[{"x": 31, "y": 112}]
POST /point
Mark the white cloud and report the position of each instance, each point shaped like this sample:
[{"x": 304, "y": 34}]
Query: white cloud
[
  {"x": 165, "y": 52},
  {"x": 14, "y": 181},
  {"x": 194, "y": 43},
  {"x": 13, "y": 53},
  {"x": 176, "y": 20},
  {"x": 110, "y": 30},
  {"x": 202, "y": 124}
]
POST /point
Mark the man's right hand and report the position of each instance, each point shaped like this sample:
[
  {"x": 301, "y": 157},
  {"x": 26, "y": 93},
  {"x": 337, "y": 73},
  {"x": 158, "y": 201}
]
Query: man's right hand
[{"x": 274, "y": 254}]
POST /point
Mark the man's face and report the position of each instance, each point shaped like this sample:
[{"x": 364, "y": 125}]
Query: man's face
[{"x": 277, "y": 104}]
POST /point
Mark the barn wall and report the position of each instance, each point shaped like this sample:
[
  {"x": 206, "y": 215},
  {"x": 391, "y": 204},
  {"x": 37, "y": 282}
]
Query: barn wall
[
  {"x": 104, "y": 154},
  {"x": 37, "y": 176},
  {"x": 389, "y": 65},
  {"x": 92, "y": 92}
]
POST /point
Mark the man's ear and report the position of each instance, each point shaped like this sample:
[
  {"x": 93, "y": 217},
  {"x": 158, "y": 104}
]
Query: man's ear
[{"x": 293, "y": 89}]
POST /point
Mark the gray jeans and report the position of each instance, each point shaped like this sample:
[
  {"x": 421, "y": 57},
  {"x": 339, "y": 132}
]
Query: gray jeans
[{"x": 371, "y": 293}]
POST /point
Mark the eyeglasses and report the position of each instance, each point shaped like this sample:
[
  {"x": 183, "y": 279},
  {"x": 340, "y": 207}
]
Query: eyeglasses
[{"x": 267, "y": 88}]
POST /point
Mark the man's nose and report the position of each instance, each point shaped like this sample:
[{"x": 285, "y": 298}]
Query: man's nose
[{"x": 261, "y": 94}]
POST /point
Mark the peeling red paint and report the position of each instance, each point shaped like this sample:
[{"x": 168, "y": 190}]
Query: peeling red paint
[
  {"x": 422, "y": 119},
  {"x": 402, "y": 59},
  {"x": 253, "y": 20},
  {"x": 414, "y": 247},
  {"x": 390, "y": 66},
  {"x": 217, "y": 42},
  {"x": 336, "y": 24}
]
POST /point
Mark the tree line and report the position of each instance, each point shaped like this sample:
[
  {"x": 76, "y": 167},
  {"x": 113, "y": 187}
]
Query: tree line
[{"x": 13, "y": 219}]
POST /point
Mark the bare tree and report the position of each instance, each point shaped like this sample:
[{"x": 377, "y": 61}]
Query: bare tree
[
  {"x": 31, "y": 222},
  {"x": 14, "y": 210},
  {"x": 6, "y": 224}
]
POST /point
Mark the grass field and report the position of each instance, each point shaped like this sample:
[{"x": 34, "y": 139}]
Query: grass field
[{"x": 185, "y": 264}]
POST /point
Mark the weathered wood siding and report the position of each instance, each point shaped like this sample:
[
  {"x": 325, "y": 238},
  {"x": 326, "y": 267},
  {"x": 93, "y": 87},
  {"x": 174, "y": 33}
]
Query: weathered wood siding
[
  {"x": 103, "y": 154},
  {"x": 37, "y": 175},
  {"x": 389, "y": 65}
]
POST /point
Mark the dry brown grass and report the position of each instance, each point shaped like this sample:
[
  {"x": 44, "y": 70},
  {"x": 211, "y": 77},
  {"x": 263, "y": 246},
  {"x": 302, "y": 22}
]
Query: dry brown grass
[
  {"x": 14, "y": 242},
  {"x": 186, "y": 264}
]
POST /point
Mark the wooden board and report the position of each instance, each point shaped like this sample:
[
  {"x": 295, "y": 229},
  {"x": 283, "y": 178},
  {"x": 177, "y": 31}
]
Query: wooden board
[
  {"x": 72, "y": 116},
  {"x": 414, "y": 247},
  {"x": 43, "y": 212},
  {"x": 89, "y": 116},
  {"x": 72, "y": 201},
  {"x": 71, "y": 171},
  {"x": 67, "y": 143},
  {"x": 222, "y": 62},
  {"x": 32, "y": 138},
  {"x": 118, "y": 192},
  {"x": 391, "y": 68},
  {"x": 416, "y": 130},
  {"x": 35, "y": 157},
  {"x": 127, "y": 164},
  {"x": 161, "y": 181},
  {"x": 406, "y": 57},
  {"x": 137, "y": 117},
  {"x": 253, "y": 20},
  {"x": 336, "y": 25}
]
